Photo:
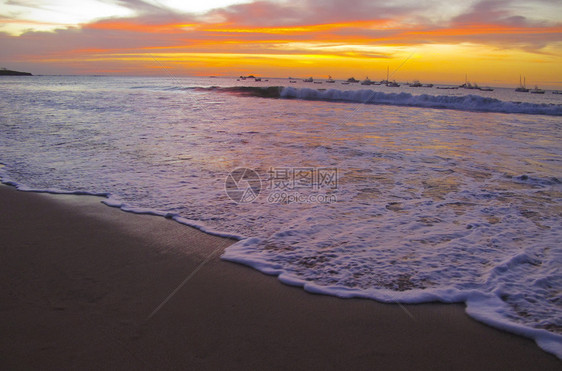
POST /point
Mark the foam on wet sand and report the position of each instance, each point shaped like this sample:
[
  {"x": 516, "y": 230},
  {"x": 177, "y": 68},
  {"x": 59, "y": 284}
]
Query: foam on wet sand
[{"x": 80, "y": 279}]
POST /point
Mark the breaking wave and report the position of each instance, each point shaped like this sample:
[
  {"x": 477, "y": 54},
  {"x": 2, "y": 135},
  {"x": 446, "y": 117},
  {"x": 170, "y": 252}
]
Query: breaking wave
[{"x": 469, "y": 102}]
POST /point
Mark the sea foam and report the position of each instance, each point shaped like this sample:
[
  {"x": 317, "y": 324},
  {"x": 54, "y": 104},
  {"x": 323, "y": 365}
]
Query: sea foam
[
  {"x": 445, "y": 205},
  {"x": 469, "y": 102}
]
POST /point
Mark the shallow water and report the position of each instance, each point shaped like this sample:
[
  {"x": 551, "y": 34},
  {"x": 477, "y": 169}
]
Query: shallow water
[{"x": 384, "y": 201}]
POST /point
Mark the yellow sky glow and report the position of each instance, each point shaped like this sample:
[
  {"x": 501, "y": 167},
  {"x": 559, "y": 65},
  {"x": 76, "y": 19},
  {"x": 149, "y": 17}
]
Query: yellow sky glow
[{"x": 219, "y": 40}]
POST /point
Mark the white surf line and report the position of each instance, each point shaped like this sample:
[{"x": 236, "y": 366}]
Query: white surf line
[
  {"x": 354, "y": 112},
  {"x": 208, "y": 258},
  {"x": 192, "y": 274}
]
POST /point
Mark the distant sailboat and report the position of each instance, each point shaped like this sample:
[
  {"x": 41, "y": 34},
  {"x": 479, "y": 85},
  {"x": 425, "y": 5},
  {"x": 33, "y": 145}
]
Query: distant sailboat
[
  {"x": 467, "y": 84},
  {"x": 366, "y": 81},
  {"x": 330, "y": 80},
  {"x": 392, "y": 84},
  {"x": 522, "y": 88}
]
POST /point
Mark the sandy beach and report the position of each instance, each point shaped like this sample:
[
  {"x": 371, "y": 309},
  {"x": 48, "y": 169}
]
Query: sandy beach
[{"x": 84, "y": 286}]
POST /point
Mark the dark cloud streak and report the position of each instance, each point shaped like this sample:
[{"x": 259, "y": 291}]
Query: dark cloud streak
[{"x": 155, "y": 26}]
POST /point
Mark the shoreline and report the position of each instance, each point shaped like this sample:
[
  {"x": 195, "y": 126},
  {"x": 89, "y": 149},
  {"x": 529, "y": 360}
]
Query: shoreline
[{"x": 85, "y": 286}]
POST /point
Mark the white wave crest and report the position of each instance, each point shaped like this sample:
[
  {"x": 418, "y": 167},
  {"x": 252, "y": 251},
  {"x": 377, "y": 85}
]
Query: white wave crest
[{"x": 469, "y": 102}]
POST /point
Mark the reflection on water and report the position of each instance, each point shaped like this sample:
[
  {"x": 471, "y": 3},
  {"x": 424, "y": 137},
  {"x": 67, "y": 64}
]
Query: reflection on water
[{"x": 441, "y": 201}]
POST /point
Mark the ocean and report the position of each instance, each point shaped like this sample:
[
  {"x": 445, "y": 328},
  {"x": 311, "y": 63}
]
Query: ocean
[{"x": 404, "y": 195}]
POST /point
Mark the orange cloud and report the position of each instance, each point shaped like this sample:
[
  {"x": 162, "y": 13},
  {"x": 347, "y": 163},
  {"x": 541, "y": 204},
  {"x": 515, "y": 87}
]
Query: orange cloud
[
  {"x": 299, "y": 29},
  {"x": 490, "y": 29},
  {"x": 340, "y": 35}
]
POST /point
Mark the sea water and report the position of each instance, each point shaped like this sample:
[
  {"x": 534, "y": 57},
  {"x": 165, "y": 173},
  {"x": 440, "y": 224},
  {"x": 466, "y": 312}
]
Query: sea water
[{"x": 397, "y": 194}]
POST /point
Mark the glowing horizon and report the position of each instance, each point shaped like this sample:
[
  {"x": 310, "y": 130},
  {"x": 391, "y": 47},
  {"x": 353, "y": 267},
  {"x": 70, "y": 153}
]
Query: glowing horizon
[{"x": 493, "y": 42}]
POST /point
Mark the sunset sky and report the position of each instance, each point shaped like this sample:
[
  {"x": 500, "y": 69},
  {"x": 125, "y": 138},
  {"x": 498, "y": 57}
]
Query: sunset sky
[{"x": 492, "y": 41}]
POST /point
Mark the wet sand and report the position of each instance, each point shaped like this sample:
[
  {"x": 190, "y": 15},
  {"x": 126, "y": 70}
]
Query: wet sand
[{"x": 84, "y": 286}]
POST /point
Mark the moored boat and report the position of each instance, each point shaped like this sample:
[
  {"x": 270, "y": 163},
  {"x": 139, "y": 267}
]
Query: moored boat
[
  {"x": 536, "y": 90},
  {"x": 522, "y": 88}
]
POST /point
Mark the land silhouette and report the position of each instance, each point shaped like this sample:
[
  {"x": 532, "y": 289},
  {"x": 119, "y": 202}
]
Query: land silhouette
[{"x": 6, "y": 72}]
